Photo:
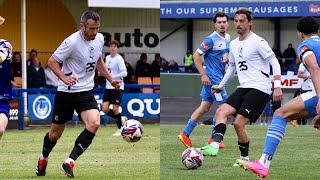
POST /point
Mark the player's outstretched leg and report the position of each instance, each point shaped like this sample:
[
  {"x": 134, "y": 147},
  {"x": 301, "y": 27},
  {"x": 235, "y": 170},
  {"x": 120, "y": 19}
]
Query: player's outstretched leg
[
  {"x": 44, "y": 156},
  {"x": 82, "y": 143},
  {"x": 184, "y": 136},
  {"x": 221, "y": 145}
]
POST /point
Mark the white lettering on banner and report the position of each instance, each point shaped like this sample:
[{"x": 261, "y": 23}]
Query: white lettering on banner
[
  {"x": 232, "y": 10},
  {"x": 139, "y": 111},
  {"x": 148, "y": 106}
]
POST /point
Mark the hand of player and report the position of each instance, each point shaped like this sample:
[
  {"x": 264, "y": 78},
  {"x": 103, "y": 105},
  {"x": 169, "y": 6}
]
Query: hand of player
[
  {"x": 70, "y": 80},
  {"x": 316, "y": 122},
  {"x": 116, "y": 84},
  {"x": 205, "y": 80},
  {"x": 277, "y": 94},
  {"x": 215, "y": 89}
]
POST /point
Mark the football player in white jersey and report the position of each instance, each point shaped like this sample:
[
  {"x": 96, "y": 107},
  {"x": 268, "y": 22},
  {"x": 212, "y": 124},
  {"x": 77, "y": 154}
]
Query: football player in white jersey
[
  {"x": 117, "y": 70},
  {"x": 80, "y": 54},
  {"x": 250, "y": 56}
]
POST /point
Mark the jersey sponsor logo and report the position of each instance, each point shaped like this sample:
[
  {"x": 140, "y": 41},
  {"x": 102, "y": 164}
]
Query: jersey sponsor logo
[
  {"x": 240, "y": 51},
  {"x": 91, "y": 52},
  {"x": 204, "y": 46},
  {"x": 41, "y": 107}
]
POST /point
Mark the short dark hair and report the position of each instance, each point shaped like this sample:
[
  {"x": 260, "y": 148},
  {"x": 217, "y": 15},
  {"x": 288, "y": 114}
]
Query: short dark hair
[
  {"x": 308, "y": 25},
  {"x": 245, "y": 11},
  {"x": 220, "y": 14},
  {"x": 33, "y": 51},
  {"x": 114, "y": 42},
  {"x": 89, "y": 15}
]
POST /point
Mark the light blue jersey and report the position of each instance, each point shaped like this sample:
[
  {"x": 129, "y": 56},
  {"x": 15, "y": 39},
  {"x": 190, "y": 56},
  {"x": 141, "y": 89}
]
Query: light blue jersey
[
  {"x": 215, "y": 49},
  {"x": 310, "y": 45}
]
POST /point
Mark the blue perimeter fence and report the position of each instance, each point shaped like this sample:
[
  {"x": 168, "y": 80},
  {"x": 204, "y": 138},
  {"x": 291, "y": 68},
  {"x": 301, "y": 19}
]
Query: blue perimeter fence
[{"x": 20, "y": 92}]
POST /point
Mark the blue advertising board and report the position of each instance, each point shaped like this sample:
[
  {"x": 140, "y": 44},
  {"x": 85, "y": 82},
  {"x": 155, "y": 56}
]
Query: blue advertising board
[
  {"x": 259, "y": 9},
  {"x": 133, "y": 105}
]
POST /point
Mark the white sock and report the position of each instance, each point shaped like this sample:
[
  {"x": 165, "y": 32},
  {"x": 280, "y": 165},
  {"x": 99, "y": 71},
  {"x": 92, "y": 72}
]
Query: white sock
[
  {"x": 246, "y": 158},
  {"x": 43, "y": 158},
  {"x": 215, "y": 145},
  {"x": 264, "y": 160},
  {"x": 69, "y": 160}
]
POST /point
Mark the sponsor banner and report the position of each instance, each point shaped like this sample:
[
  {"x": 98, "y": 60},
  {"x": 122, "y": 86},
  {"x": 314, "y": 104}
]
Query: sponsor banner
[
  {"x": 259, "y": 9},
  {"x": 14, "y": 109},
  {"x": 291, "y": 82},
  {"x": 133, "y": 40},
  {"x": 133, "y": 105},
  {"x": 40, "y": 106}
]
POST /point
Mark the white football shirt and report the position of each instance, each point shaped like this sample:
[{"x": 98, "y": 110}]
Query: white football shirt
[
  {"x": 307, "y": 83},
  {"x": 79, "y": 58},
  {"x": 250, "y": 58},
  {"x": 116, "y": 68}
]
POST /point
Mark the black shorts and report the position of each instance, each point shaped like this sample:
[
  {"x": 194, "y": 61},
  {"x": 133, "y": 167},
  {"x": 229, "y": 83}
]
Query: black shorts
[
  {"x": 65, "y": 104},
  {"x": 113, "y": 96},
  {"x": 248, "y": 102}
]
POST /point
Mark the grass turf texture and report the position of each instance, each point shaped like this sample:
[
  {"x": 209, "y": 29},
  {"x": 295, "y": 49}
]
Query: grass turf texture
[
  {"x": 108, "y": 157},
  {"x": 297, "y": 156}
]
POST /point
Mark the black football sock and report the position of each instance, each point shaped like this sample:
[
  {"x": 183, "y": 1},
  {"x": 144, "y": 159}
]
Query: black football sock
[
  {"x": 82, "y": 143},
  {"x": 244, "y": 148},
  {"x": 220, "y": 130},
  {"x": 118, "y": 122},
  {"x": 111, "y": 113},
  {"x": 47, "y": 146}
]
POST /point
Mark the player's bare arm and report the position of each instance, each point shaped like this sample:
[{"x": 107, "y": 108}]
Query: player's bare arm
[
  {"x": 55, "y": 67},
  {"x": 311, "y": 62},
  {"x": 198, "y": 62},
  {"x": 103, "y": 70}
]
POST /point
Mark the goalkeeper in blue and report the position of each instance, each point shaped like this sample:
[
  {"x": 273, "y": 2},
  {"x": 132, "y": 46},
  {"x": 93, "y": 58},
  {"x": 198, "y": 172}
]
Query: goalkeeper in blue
[
  {"x": 5, "y": 82},
  {"x": 307, "y": 104}
]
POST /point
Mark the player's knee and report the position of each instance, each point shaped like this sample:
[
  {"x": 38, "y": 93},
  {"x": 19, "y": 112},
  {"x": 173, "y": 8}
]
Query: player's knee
[
  {"x": 279, "y": 112},
  {"x": 93, "y": 126},
  {"x": 55, "y": 135},
  {"x": 220, "y": 112}
]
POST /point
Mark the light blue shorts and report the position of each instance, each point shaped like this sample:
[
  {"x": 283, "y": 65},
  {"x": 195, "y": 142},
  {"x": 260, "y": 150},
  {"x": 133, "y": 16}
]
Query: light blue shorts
[{"x": 210, "y": 97}]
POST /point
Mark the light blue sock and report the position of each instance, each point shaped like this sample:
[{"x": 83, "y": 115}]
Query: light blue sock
[
  {"x": 275, "y": 133},
  {"x": 214, "y": 121},
  {"x": 189, "y": 127}
]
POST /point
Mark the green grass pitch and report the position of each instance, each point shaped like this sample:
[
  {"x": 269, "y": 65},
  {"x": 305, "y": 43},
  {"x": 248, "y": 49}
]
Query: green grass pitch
[
  {"x": 297, "y": 156},
  {"x": 108, "y": 157}
]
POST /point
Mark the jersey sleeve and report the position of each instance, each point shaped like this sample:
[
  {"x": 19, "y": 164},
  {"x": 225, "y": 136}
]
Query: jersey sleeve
[
  {"x": 63, "y": 51},
  {"x": 301, "y": 67},
  {"x": 231, "y": 57},
  {"x": 263, "y": 48},
  {"x": 303, "y": 52},
  {"x": 205, "y": 46}
]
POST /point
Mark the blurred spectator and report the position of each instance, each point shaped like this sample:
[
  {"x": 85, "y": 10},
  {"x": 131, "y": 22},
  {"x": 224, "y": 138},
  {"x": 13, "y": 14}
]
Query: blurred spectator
[
  {"x": 289, "y": 56},
  {"x": 130, "y": 72},
  {"x": 51, "y": 79},
  {"x": 188, "y": 61},
  {"x": 156, "y": 65},
  {"x": 173, "y": 66},
  {"x": 33, "y": 54},
  {"x": 294, "y": 66},
  {"x": 15, "y": 66},
  {"x": 35, "y": 75},
  {"x": 143, "y": 68},
  {"x": 164, "y": 65}
]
